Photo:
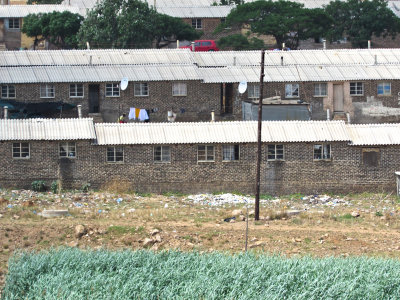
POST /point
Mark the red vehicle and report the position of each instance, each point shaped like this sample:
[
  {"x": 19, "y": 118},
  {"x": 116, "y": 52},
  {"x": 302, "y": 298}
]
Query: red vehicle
[{"x": 203, "y": 45}]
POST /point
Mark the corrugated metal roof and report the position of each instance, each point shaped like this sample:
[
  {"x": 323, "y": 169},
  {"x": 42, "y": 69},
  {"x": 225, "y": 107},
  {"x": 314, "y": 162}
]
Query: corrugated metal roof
[
  {"x": 159, "y": 3},
  {"x": 219, "y": 132},
  {"x": 97, "y": 73},
  {"x": 97, "y": 57},
  {"x": 46, "y": 129},
  {"x": 196, "y": 11},
  {"x": 21, "y": 11},
  {"x": 374, "y": 134}
]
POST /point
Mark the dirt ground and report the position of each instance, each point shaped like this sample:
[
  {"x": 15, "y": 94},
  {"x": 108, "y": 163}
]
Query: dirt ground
[{"x": 158, "y": 222}]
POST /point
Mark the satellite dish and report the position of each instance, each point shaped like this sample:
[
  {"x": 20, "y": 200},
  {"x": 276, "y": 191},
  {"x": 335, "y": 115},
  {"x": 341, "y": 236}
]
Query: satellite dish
[
  {"x": 242, "y": 87},
  {"x": 124, "y": 83}
]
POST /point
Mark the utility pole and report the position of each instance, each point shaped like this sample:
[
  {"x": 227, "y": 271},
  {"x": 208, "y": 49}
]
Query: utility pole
[{"x": 257, "y": 204}]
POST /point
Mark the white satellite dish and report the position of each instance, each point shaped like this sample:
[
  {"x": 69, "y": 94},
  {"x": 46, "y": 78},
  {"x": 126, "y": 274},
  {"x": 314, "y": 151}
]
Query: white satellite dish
[
  {"x": 124, "y": 83},
  {"x": 242, "y": 87}
]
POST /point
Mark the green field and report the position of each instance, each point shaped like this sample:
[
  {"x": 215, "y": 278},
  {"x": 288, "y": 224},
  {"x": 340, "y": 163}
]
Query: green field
[{"x": 78, "y": 274}]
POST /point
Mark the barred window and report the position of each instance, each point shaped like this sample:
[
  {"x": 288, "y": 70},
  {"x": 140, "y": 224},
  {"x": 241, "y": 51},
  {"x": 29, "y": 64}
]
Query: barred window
[
  {"x": 370, "y": 157},
  {"x": 275, "y": 152},
  {"x": 292, "y": 90},
  {"x": 115, "y": 154},
  {"x": 230, "y": 152},
  {"x": 162, "y": 154},
  {"x": 205, "y": 153},
  {"x": 68, "y": 149},
  {"x": 141, "y": 89},
  {"x": 320, "y": 89},
  {"x": 47, "y": 91},
  {"x": 356, "y": 88},
  {"x": 112, "y": 90},
  {"x": 20, "y": 150},
  {"x": 322, "y": 151},
  {"x": 7, "y": 91},
  {"x": 179, "y": 89},
  {"x": 76, "y": 90},
  {"x": 253, "y": 91}
]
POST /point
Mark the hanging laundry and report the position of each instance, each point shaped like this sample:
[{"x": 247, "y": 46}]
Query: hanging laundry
[
  {"x": 143, "y": 115},
  {"x": 131, "y": 113},
  {"x": 137, "y": 112}
]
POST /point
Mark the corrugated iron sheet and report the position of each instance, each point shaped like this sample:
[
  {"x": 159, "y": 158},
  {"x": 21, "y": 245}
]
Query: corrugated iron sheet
[
  {"x": 196, "y": 11},
  {"x": 21, "y": 11},
  {"x": 374, "y": 134},
  {"x": 47, "y": 129},
  {"x": 219, "y": 132}
]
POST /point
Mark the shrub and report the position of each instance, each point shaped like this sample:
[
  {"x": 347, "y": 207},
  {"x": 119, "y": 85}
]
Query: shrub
[
  {"x": 38, "y": 186},
  {"x": 54, "y": 187}
]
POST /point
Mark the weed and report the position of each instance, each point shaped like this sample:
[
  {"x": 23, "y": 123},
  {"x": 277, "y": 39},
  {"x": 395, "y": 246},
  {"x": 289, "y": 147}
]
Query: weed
[
  {"x": 173, "y": 194},
  {"x": 117, "y": 186},
  {"x": 144, "y": 195},
  {"x": 119, "y": 230},
  {"x": 85, "y": 187},
  {"x": 5, "y": 246},
  {"x": 307, "y": 240},
  {"x": 210, "y": 235},
  {"x": 258, "y": 222},
  {"x": 25, "y": 238},
  {"x": 296, "y": 196},
  {"x": 266, "y": 197},
  {"x": 6, "y": 234},
  {"x": 189, "y": 238},
  {"x": 38, "y": 186},
  {"x": 379, "y": 214},
  {"x": 54, "y": 187},
  {"x": 297, "y": 221}
]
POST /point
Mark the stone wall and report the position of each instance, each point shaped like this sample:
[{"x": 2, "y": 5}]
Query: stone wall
[{"x": 298, "y": 173}]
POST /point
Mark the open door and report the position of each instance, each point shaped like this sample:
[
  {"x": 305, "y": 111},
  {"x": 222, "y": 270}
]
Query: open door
[
  {"x": 94, "y": 101},
  {"x": 338, "y": 98}
]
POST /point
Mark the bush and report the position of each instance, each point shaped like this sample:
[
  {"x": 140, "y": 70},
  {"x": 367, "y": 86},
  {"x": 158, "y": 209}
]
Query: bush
[
  {"x": 38, "y": 186},
  {"x": 54, "y": 187},
  {"x": 85, "y": 187}
]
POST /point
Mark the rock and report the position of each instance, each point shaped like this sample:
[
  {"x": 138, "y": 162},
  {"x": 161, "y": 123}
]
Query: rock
[
  {"x": 349, "y": 239},
  {"x": 148, "y": 242},
  {"x": 154, "y": 231},
  {"x": 28, "y": 203},
  {"x": 355, "y": 214},
  {"x": 80, "y": 230},
  {"x": 154, "y": 247},
  {"x": 131, "y": 210},
  {"x": 54, "y": 213},
  {"x": 252, "y": 213},
  {"x": 16, "y": 217},
  {"x": 73, "y": 244},
  {"x": 257, "y": 244},
  {"x": 292, "y": 212},
  {"x": 189, "y": 244},
  {"x": 158, "y": 238},
  {"x": 1, "y": 215},
  {"x": 254, "y": 240},
  {"x": 297, "y": 240},
  {"x": 232, "y": 221},
  {"x": 242, "y": 218},
  {"x": 236, "y": 213}
]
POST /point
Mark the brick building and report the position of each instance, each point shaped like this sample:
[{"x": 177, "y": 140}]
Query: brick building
[{"x": 298, "y": 157}]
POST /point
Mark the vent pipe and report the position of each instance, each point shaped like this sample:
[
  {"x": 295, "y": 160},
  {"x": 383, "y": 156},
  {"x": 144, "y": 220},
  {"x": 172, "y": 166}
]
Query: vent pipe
[
  {"x": 324, "y": 44},
  {"x": 283, "y": 46},
  {"x": 376, "y": 59},
  {"x": 177, "y": 44},
  {"x": 281, "y": 60},
  {"x": 193, "y": 46},
  {"x": 348, "y": 118},
  {"x": 328, "y": 115},
  {"x": 5, "y": 112},
  {"x": 369, "y": 44},
  {"x": 79, "y": 111},
  {"x": 212, "y": 116}
]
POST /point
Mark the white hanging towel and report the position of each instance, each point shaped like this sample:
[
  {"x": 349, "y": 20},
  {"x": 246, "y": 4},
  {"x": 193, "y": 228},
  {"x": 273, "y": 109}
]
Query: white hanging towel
[
  {"x": 143, "y": 115},
  {"x": 131, "y": 113}
]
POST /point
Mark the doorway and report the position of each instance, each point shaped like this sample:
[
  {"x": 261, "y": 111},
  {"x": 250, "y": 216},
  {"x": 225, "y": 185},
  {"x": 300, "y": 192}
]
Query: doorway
[
  {"x": 94, "y": 101},
  {"x": 338, "y": 98}
]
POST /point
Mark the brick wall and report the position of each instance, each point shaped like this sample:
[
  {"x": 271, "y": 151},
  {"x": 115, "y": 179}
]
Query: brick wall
[
  {"x": 298, "y": 173},
  {"x": 208, "y": 27}
]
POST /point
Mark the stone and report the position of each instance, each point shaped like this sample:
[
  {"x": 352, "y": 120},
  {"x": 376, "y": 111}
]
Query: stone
[
  {"x": 80, "y": 230},
  {"x": 242, "y": 218},
  {"x": 355, "y": 214},
  {"x": 28, "y": 203},
  {"x": 154, "y": 231},
  {"x": 73, "y": 244},
  {"x": 257, "y": 244},
  {"x": 297, "y": 240},
  {"x": 232, "y": 221},
  {"x": 51, "y": 213},
  {"x": 131, "y": 210},
  {"x": 158, "y": 238},
  {"x": 1, "y": 215},
  {"x": 154, "y": 247},
  {"x": 16, "y": 217},
  {"x": 254, "y": 240},
  {"x": 148, "y": 242},
  {"x": 236, "y": 213},
  {"x": 293, "y": 212}
]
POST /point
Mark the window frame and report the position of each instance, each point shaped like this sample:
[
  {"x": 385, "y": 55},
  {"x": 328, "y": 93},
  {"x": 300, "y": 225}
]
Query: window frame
[
  {"x": 140, "y": 86},
  {"x": 182, "y": 92},
  {"x": 197, "y": 23},
  {"x": 292, "y": 89},
  {"x": 69, "y": 146},
  {"x": 319, "y": 94},
  {"x": 253, "y": 91},
  {"x": 112, "y": 90},
  {"x": 20, "y": 152},
  {"x": 383, "y": 88},
  {"x": 275, "y": 156},
  {"x": 354, "y": 88},
  {"x": 235, "y": 152},
  {"x": 161, "y": 159},
  {"x": 371, "y": 150},
  {"x": 49, "y": 89},
  {"x": 115, "y": 157},
  {"x": 75, "y": 90},
  {"x": 6, "y": 95},
  {"x": 323, "y": 152},
  {"x": 206, "y": 153},
  {"x": 13, "y": 27}
]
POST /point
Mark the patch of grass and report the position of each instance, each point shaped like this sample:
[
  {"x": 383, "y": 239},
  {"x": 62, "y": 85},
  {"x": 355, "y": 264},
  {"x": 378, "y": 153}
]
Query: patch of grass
[
  {"x": 189, "y": 238},
  {"x": 174, "y": 194},
  {"x": 210, "y": 235},
  {"x": 307, "y": 240},
  {"x": 119, "y": 230},
  {"x": 5, "y": 246},
  {"x": 295, "y": 196},
  {"x": 258, "y": 222},
  {"x": 379, "y": 214},
  {"x": 297, "y": 221},
  {"x": 144, "y": 195},
  {"x": 266, "y": 197}
]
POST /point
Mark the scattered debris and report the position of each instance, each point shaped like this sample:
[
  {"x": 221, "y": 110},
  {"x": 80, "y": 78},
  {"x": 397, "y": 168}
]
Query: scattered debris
[
  {"x": 229, "y": 219},
  {"x": 355, "y": 214},
  {"x": 53, "y": 213},
  {"x": 80, "y": 230}
]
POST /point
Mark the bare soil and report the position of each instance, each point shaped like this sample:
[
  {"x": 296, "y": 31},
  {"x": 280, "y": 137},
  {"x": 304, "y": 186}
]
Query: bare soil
[{"x": 320, "y": 231}]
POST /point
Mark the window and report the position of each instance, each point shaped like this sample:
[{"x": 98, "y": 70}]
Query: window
[
  {"x": 141, "y": 89},
  {"x": 320, "y": 89},
  {"x": 112, "y": 90},
  {"x": 162, "y": 154},
  {"x": 275, "y": 152},
  {"x": 356, "y": 88},
  {"x": 76, "y": 90},
  {"x": 230, "y": 152},
  {"x": 68, "y": 149},
  {"x": 205, "y": 153},
  {"x": 7, "y": 91},
  {"x": 47, "y": 91},
  {"x": 179, "y": 89},
  {"x": 253, "y": 91},
  {"x": 20, "y": 150},
  {"x": 292, "y": 90},
  {"x": 370, "y": 157},
  {"x": 196, "y": 23},
  {"x": 13, "y": 23},
  {"x": 115, "y": 154},
  {"x": 322, "y": 151},
  {"x": 384, "y": 89}
]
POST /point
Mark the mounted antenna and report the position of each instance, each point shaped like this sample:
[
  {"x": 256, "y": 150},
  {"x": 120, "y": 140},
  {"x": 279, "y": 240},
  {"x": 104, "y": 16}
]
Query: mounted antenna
[
  {"x": 124, "y": 83},
  {"x": 242, "y": 87}
]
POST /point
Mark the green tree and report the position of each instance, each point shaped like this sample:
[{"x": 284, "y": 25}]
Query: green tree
[
  {"x": 239, "y": 42},
  {"x": 131, "y": 24},
  {"x": 59, "y": 28},
  {"x": 360, "y": 20},
  {"x": 288, "y": 22}
]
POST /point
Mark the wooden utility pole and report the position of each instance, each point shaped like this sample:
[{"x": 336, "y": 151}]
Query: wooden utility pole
[{"x": 257, "y": 204}]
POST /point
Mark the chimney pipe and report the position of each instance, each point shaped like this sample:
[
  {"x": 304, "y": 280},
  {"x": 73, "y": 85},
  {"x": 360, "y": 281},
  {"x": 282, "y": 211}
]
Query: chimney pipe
[
  {"x": 212, "y": 116},
  {"x": 328, "y": 115},
  {"x": 5, "y": 112},
  {"x": 79, "y": 111},
  {"x": 193, "y": 49},
  {"x": 281, "y": 60}
]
